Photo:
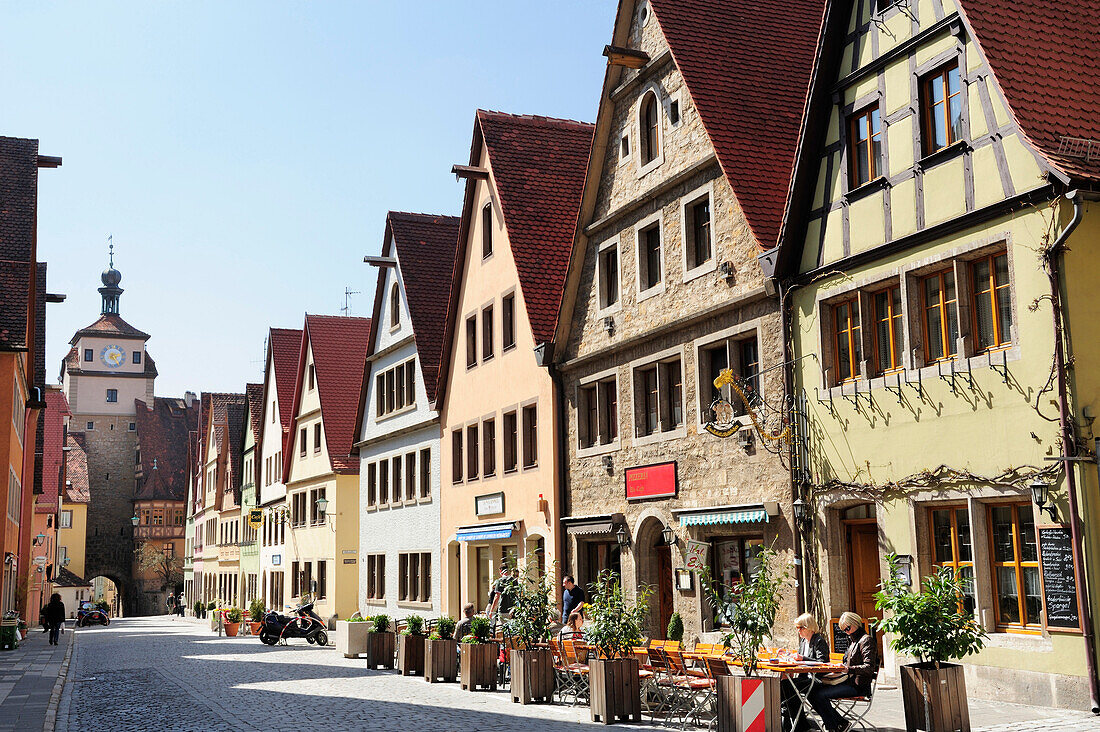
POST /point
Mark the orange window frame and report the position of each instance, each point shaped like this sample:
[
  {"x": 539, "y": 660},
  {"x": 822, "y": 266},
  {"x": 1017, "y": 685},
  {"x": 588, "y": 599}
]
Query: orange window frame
[
  {"x": 956, "y": 564},
  {"x": 992, "y": 289},
  {"x": 894, "y": 323},
  {"x": 930, "y": 109},
  {"x": 855, "y": 142},
  {"x": 946, "y": 343},
  {"x": 1018, "y": 564},
  {"x": 847, "y": 336}
]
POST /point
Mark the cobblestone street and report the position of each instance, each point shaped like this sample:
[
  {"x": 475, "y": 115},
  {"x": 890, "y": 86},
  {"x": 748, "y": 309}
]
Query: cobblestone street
[{"x": 163, "y": 673}]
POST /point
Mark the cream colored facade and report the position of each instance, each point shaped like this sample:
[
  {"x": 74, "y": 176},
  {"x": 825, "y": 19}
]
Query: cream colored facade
[
  {"x": 506, "y": 384},
  {"x": 70, "y": 539}
]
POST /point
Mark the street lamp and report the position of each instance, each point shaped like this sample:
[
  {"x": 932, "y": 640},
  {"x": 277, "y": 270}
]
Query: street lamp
[
  {"x": 668, "y": 535},
  {"x": 322, "y": 506},
  {"x": 1040, "y": 494},
  {"x": 622, "y": 538},
  {"x": 135, "y": 520},
  {"x": 801, "y": 511}
]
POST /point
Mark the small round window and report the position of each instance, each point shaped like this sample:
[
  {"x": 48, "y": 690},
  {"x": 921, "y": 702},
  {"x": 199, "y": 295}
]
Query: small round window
[{"x": 643, "y": 13}]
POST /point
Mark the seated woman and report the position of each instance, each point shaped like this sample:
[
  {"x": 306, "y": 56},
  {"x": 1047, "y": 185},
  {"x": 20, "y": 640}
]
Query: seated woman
[
  {"x": 572, "y": 628},
  {"x": 861, "y": 664},
  {"x": 812, "y": 646}
]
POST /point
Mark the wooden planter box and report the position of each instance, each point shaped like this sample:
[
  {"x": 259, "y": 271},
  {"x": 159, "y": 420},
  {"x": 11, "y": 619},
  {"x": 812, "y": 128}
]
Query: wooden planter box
[
  {"x": 380, "y": 649},
  {"x": 614, "y": 691},
  {"x": 744, "y": 701},
  {"x": 934, "y": 698},
  {"x": 410, "y": 654},
  {"x": 351, "y": 638},
  {"x": 532, "y": 675},
  {"x": 440, "y": 660},
  {"x": 478, "y": 665}
]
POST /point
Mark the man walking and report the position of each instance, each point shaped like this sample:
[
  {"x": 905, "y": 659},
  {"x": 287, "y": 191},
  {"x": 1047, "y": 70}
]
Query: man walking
[{"x": 571, "y": 597}]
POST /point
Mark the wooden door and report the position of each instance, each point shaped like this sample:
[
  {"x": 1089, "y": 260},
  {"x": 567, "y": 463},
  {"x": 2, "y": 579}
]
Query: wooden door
[
  {"x": 664, "y": 588},
  {"x": 863, "y": 567}
]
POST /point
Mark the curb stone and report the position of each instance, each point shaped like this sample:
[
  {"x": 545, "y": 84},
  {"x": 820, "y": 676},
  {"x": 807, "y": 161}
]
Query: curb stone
[{"x": 50, "y": 722}]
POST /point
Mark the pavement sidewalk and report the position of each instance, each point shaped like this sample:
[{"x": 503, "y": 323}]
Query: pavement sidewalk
[{"x": 31, "y": 679}]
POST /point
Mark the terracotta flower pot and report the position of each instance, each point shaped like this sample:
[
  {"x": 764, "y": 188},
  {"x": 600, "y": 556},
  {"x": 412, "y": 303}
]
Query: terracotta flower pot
[
  {"x": 231, "y": 629},
  {"x": 255, "y": 627}
]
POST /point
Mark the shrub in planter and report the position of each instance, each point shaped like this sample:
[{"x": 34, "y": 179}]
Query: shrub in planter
[
  {"x": 614, "y": 628},
  {"x": 478, "y": 656},
  {"x": 532, "y": 664},
  {"x": 441, "y": 652},
  {"x": 255, "y": 616},
  {"x": 200, "y": 609},
  {"x": 748, "y": 609},
  {"x": 233, "y": 621},
  {"x": 675, "y": 631},
  {"x": 410, "y": 647},
  {"x": 930, "y": 625},
  {"x": 380, "y": 643}
]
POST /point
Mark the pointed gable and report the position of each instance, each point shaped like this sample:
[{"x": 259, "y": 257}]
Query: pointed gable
[
  {"x": 110, "y": 324},
  {"x": 1046, "y": 61},
  {"x": 285, "y": 346},
  {"x": 254, "y": 393},
  {"x": 77, "y": 488},
  {"x": 53, "y": 457},
  {"x": 163, "y": 430},
  {"x": 339, "y": 348}
]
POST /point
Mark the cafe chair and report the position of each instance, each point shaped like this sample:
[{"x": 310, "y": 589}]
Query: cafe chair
[{"x": 855, "y": 709}]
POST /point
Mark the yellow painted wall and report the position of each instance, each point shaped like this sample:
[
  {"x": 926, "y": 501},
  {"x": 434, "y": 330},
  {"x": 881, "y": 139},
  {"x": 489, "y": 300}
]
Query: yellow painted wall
[{"x": 73, "y": 538}]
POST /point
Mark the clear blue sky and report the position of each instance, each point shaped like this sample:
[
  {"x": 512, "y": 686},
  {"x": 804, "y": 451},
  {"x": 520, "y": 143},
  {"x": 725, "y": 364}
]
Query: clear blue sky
[{"x": 244, "y": 154}]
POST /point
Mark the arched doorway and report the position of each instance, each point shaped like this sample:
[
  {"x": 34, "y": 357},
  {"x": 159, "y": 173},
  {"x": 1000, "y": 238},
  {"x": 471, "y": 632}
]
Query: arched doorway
[
  {"x": 108, "y": 590},
  {"x": 653, "y": 558}
]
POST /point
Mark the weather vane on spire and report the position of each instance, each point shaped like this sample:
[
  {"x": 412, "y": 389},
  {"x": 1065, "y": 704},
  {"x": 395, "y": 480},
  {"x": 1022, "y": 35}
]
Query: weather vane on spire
[{"x": 111, "y": 248}]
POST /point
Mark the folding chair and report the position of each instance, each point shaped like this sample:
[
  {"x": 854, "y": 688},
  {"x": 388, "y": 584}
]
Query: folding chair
[
  {"x": 694, "y": 691},
  {"x": 855, "y": 709}
]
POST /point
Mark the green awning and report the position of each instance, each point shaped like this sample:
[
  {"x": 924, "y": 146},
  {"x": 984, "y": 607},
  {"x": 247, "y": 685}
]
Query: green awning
[{"x": 730, "y": 516}]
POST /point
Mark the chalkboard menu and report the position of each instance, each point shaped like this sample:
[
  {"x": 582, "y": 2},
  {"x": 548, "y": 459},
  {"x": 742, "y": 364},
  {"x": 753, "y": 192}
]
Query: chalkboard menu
[
  {"x": 841, "y": 641},
  {"x": 1059, "y": 582}
]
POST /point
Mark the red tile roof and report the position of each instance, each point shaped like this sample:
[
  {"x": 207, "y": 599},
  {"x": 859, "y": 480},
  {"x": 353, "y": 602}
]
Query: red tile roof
[
  {"x": 255, "y": 395},
  {"x": 425, "y": 251},
  {"x": 285, "y": 346},
  {"x": 1046, "y": 59},
  {"x": 747, "y": 68},
  {"x": 339, "y": 346},
  {"x": 538, "y": 166},
  {"x": 77, "y": 488},
  {"x": 110, "y": 325},
  {"x": 163, "y": 434},
  {"x": 57, "y": 408},
  {"x": 18, "y": 205},
  {"x": 65, "y": 578}
]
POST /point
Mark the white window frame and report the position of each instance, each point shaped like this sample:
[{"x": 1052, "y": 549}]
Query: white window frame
[
  {"x": 655, "y": 360},
  {"x": 598, "y": 448},
  {"x": 662, "y": 113},
  {"x": 686, "y": 202},
  {"x": 616, "y": 306},
  {"x": 642, "y": 225},
  {"x": 739, "y": 332}
]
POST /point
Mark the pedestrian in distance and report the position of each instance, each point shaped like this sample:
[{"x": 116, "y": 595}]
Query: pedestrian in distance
[
  {"x": 572, "y": 595},
  {"x": 55, "y": 617}
]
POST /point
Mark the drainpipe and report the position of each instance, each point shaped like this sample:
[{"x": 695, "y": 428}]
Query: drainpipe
[
  {"x": 545, "y": 356},
  {"x": 1069, "y": 446},
  {"x": 801, "y": 597}
]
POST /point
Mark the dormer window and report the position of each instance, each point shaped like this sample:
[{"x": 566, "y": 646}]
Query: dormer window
[
  {"x": 395, "y": 306},
  {"x": 650, "y": 122},
  {"x": 487, "y": 230}
]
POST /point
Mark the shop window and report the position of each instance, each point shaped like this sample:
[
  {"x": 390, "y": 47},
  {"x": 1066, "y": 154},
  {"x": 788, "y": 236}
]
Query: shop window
[
  {"x": 864, "y": 146},
  {"x": 941, "y": 108},
  {"x": 511, "y": 442},
  {"x": 889, "y": 330},
  {"x": 847, "y": 335},
  {"x": 508, "y": 324},
  {"x": 649, "y": 257},
  {"x": 489, "y": 443},
  {"x": 530, "y": 436},
  {"x": 487, "y": 333},
  {"x": 609, "y": 274},
  {"x": 1018, "y": 596},
  {"x": 598, "y": 412},
  {"x": 471, "y": 341},
  {"x": 992, "y": 302},
  {"x": 697, "y": 225},
  {"x": 456, "y": 455},
  {"x": 733, "y": 560},
  {"x": 426, "y": 473},
  {"x": 650, "y": 120},
  {"x": 951, "y": 547},
  {"x": 941, "y": 318}
]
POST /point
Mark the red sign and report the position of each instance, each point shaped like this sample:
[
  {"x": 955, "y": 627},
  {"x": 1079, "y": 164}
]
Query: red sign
[{"x": 651, "y": 481}]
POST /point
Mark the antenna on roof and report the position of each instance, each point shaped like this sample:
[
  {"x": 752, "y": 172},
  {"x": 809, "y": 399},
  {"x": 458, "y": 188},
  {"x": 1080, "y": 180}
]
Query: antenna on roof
[{"x": 346, "y": 310}]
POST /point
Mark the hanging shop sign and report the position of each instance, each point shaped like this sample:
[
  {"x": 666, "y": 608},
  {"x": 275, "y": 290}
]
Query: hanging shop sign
[
  {"x": 695, "y": 555},
  {"x": 651, "y": 481},
  {"x": 255, "y": 517},
  {"x": 725, "y": 421}
]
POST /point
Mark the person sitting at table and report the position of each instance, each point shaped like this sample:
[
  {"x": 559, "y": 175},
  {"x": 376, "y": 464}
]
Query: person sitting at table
[
  {"x": 572, "y": 629},
  {"x": 812, "y": 646},
  {"x": 861, "y": 664}
]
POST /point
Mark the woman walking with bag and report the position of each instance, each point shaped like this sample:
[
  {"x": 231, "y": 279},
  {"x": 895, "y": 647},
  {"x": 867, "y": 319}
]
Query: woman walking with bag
[{"x": 55, "y": 617}]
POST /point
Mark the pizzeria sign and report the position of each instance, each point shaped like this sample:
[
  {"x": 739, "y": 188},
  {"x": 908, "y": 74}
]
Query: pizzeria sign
[{"x": 651, "y": 481}]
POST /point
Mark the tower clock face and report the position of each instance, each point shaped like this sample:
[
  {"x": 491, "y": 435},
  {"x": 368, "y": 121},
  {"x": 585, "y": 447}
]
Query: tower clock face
[{"x": 113, "y": 356}]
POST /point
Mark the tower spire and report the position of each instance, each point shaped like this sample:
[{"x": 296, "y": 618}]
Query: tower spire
[{"x": 110, "y": 291}]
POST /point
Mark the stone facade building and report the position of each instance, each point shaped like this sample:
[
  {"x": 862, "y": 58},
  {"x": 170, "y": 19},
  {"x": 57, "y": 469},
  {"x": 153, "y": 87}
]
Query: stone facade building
[
  {"x": 664, "y": 293},
  {"x": 398, "y": 426}
]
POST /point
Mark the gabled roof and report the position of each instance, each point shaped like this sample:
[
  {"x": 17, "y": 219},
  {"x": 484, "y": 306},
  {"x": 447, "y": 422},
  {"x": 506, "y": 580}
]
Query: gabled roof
[
  {"x": 339, "y": 346},
  {"x": 537, "y": 166},
  {"x": 53, "y": 457},
  {"x": 18, "y": 206},
  {"x": 71, "y": 363},
  {"x": 746, "y": 65},
  {"x": 163, "y": 431},
  {"x": 254, "y": 393},
  {"x": 1046, "y": 59},
  {"x": 110, "y": 324},
  {"x": 284, "y": 346},
  {"x": 65, "y": 578},
  {"x": 77, "y": 488}
]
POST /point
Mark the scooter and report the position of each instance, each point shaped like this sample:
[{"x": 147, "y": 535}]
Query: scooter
[{"x": 303, "y": 623}]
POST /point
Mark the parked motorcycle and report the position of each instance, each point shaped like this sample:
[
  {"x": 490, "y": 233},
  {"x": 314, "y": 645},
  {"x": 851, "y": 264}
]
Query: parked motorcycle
[{"x": 302, "y": 623}]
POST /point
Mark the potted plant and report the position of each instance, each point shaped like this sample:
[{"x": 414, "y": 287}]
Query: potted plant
[
  {"x": 351, "y": 636},
  {"x": 478, "y": 657},
  {"x": 441, "y": 652},
  {"x": 747, "y": 612},
  {"x": 931, "y": 626},
  {"x": 410, "y": 647},
  {"x": 200, "y": 609},
  {"x": 256, "y": 615},
  {"x": 614, "y": 628},
  {"x": 380, "y": 642},
  {"x": 530, "y": 659},
  {"x": 232, "y": 621},
  {"x": 675, "y": 630}
]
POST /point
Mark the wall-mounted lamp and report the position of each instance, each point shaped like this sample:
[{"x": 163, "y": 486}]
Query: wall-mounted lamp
[
  {"x": 135, "y": 520},
  {"x": 1040, "y": 493},
  {"x": 801, "y": 512},
  {"x": 622, "y": 538},
  {"x": 609, "y": 464},
  {"x": 727, "y": 270},
  {"x": 668, "y": 536},
  {"x": 905, "y": 569},
  {"x": 609, "y": 325},
  {"x": 39, "y": 540},
  {"x": 744, "y": 439},
  {"x": 322, "y": 507}
]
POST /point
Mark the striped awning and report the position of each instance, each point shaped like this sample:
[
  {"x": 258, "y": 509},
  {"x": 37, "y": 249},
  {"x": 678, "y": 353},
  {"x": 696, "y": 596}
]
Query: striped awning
[
  {"x": 591, "y": 527},
  {"x": 729, "y": 516},
  {"x": 486, "y": 532}
]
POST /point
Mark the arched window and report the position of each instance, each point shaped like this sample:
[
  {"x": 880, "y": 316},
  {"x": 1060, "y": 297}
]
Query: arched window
[
  {"x": 395, "y": 306},
  {"x": 651, "y": 145}
]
